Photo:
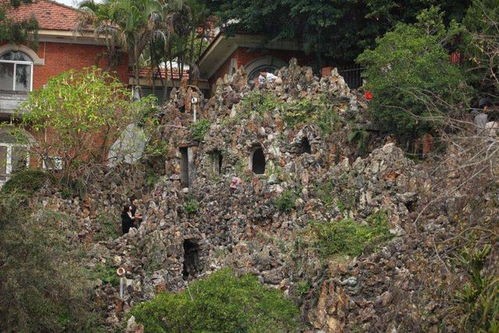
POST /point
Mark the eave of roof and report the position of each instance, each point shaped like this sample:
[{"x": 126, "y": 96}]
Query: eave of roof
[{"x": 223, "y": 46}]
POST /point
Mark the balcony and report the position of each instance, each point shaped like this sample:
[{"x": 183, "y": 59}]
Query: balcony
[{"x": 10, "y": 101}]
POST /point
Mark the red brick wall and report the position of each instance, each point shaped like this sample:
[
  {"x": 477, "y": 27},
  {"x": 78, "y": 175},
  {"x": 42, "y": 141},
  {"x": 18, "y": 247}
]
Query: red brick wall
[{"x": 61, "y": 57}]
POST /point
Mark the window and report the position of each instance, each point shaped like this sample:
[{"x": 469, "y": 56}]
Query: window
[
  {"x": 53, "y": 163},
  {"x": 13, "y": 157},
  {"x": 16, "y": 71}
]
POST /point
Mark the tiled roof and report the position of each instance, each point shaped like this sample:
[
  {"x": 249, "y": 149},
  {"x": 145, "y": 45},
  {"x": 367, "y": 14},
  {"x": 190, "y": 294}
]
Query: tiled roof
[{"x": 49, "y": 14}]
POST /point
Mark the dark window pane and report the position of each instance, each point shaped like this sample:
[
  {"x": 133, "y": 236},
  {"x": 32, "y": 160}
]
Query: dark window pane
[
  {"x": 23, "y": 77},
  {"x": 6, "y": 76},
  {"x": 15, "y": 55},
  {"x": 19, "y": 158}
]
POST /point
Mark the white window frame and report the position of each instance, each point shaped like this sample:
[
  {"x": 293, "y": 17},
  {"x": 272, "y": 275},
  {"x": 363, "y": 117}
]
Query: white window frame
[
  {"x": 56, "y": 161},
  {"x": 20, "y": 62},
  {"x": 8, "y": 157}
]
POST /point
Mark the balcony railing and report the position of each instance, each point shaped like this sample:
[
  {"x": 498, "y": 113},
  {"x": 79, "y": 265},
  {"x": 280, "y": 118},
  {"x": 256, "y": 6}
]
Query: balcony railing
[{"x": 10, "y": 101}]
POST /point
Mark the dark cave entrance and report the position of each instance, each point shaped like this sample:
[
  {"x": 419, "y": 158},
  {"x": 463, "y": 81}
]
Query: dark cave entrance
[
  {"x": 305, "y": 146},
  {"x": 258, "y": 161},
  {"x": 191, "y": 259}
]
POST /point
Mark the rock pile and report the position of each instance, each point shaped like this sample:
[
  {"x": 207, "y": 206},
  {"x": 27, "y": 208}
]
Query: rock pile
[{"x": 245, "y": 174}]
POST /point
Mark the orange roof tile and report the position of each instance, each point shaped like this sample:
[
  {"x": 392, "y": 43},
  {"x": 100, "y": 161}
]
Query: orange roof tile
[{"x": 49, "y": 14}]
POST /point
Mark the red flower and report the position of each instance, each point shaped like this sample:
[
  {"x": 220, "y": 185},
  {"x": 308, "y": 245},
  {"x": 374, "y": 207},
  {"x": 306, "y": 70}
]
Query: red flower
[{"x": 368, "y": 95}]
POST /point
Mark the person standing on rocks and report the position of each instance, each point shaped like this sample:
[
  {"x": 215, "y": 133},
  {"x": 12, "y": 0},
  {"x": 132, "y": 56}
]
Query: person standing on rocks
[{"x": 126, "y": 219}]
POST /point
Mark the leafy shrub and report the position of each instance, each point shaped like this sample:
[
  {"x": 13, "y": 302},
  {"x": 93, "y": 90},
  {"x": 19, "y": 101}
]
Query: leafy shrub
[
  {"x": 191, "y": 206},
  {"x": 259, "y": 102},
  {"x": 221, "y": 302},
  {"x": 42, "y": 284},
  {"x": 286, "y": 201},
  {"x": 477, "y": 299},
  {"x": 106, "y": 274},
  {"x": 72, "y": 187},
  {"x": 348, "y": 237},
  {"x": 26, "y": 181},
  {"x": 412, "y": 79},
  {"x": 108, "y": 227},
  {"x": 199, "y": 129}
]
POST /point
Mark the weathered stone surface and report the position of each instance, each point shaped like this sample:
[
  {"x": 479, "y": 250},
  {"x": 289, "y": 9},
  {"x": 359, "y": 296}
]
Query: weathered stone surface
[{"x": 244, "y": 227}]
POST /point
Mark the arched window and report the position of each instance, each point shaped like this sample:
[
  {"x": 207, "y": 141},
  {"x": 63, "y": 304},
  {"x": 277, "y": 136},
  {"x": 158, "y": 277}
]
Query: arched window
[
  {"x": 16, "y": 71},
  {"x": 263, "y": 64}
]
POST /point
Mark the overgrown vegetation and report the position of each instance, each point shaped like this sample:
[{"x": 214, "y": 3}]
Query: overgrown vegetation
[
  {"x": 42, "y": 284},
  {"x": 477, "y": 299},
  {"x": 108, "y": 227},
  {"x": 286, "y": 201},
  {"x": 413, "y": 82},
  {"x": 349, "y": 237},
  {"x": 199, "y": 129},
  {"x": 26, "y": 182},
  {"x": 191, "y": 205},
  {"x": 222, "y": 302},
  {"x": 77, "y": 115},
  {"x": 318, "y": 111}
]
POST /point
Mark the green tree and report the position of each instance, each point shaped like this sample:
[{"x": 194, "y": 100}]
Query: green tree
[
  {"x": 77, "y": 115},
  {"x": 16, "y": 31},
  {"x": 412, "y": 79},
  {"x": 43, "y": 287},
  {"x": 480, "y": 44},
  {"x": 221, "y": 302},
  {"x": 334, "y": 31}
]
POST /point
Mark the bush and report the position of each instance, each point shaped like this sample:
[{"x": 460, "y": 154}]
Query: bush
[
  {"x": 412, "y": 79},
  {"x": 108, "y": 227},
  {"x": 26, "y": 181},
  {"x": 42, "y": 284},
  {"x": 286, "y": 201},
  {"x": 199, "y": 129},
  {"x": 348, "y": 237},
  {"x": 191, "y": 206},
  {"x": 222, "y": 302},
  {"x": 477, "y": 299}
]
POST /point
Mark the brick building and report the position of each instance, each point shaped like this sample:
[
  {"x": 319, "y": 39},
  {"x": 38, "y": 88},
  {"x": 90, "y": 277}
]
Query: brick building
[
  {"x": 225, "y": 54},
  {"x": 62, "y": 45}
]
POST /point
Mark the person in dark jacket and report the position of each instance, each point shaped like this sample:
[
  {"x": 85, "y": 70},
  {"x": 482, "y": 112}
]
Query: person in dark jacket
[{"x": 126, "y": 219}]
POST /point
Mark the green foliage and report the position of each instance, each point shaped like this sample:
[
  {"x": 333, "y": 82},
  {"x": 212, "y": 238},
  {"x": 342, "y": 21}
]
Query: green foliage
[
  {"x": 26, "y": 181},
  {"x": 360, "y": 137},
  {"x": 481, "y": 44},
  {"x": 72, "y": 188},
  {"x": 42, "y": 284},
  {"x": 411, "y": 77},
  {"x": 286, "y": 201},
  {"x": 318, "y": 110},
  {"x": 191, "y": 206},
  {"x": 348, "y": 237},
  {"x": 109, "y": 227},
  {"x": 477, "y": 299},
  {"x": 334, "y": 31},
  {"x": 199, "y": 129},
  {"x": 17, "y": 32},
  {"x": 336, "y": 191},
  {"x": 259, "y": 102},
  {"x": 221, "y": 303},
  {"x": 75, "y": 108},
  {"x": 107, "y": 274}
]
